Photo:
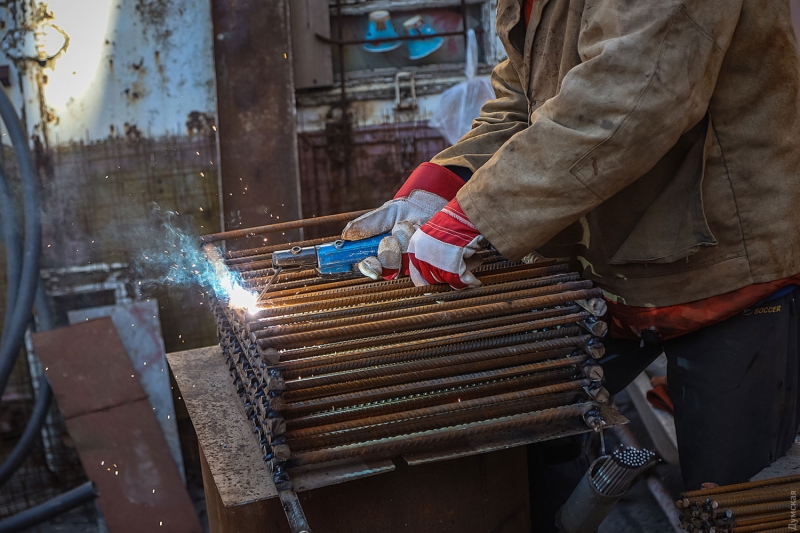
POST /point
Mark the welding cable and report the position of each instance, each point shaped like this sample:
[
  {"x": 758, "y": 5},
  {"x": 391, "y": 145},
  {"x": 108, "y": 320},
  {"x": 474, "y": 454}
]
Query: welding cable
[
  {"x": 13, "y": 241},
  {"x": 29, "y": 278},
  {"x": 50, "y": 509}
]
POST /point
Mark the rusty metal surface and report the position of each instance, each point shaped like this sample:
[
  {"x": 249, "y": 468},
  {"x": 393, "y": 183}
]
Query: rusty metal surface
[
  {"x": 257, "y": 124},
  {"x": 232, "y": 454},
  {"x": 88, "y": 367},
  {"x": 114, "y": 429}
]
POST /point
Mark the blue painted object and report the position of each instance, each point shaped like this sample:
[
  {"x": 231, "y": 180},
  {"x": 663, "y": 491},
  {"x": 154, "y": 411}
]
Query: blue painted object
[
  {"x": 381, "y": 27},
  {"x": 342, "y": 257},
  {"x": 415, "y": 26}
]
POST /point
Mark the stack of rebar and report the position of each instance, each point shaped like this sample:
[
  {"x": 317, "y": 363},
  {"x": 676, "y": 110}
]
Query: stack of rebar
[
  {"x": 759, "y": 506},
  {"x": 334, "y": 369}
]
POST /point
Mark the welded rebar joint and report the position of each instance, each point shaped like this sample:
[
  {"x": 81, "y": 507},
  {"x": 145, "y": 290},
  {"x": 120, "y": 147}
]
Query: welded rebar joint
[
  {"x": 594, "y": 348},
  {"x": 594, "y": 419},
  {"x": 596, "y": 306},
  {"x": 593, "y": 371},
  {"x": 599, "y": 393},
  {"x": 598, "y": 328}
]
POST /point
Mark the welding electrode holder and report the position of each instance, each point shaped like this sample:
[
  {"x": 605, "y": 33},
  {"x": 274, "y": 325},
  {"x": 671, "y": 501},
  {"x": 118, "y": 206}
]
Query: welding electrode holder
[{"x": 330, "y": 259}]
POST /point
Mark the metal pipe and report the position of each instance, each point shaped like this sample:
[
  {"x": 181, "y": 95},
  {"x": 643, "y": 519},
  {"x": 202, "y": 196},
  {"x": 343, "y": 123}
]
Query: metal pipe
[
  {"x": 283, "y": 226},
  {"x": 50, "y": 509},
  {"x": 438, "y": 437}
]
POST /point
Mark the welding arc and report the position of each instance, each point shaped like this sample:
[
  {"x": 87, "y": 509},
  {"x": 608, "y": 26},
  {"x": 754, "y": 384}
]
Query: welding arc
[
  {"x": 438, "y": 437},
  {"x": 425, "y": 418},
  {"x": 468, "y": 330},
  {"x": 366, "y": 359},
  {"x": 420, "y": 300},
  {"x": 304, "y": 407},
  {"x": 439, "y": 317},
  {"x": 442, "y": 395}
]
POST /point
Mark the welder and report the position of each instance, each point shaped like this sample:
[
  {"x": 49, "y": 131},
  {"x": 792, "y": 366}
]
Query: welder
[{"x": 655, "y": 143}]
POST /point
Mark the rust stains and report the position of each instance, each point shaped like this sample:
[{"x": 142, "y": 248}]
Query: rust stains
[
  {"x": 200, "y": 124},
  {"x": 154, "y": 15}
]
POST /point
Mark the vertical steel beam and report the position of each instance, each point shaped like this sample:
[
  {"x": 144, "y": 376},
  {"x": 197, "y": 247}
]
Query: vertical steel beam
[{"x": 256, "y": 106}]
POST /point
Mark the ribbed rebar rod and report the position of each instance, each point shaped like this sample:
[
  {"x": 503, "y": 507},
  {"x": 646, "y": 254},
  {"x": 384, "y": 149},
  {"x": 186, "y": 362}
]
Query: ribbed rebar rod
[
  {"x": 704, "y": 493},
  {"x": 283, "y": 226},
  {"x": 305, "y": 407},
  {"x": 450, "y": 407},
  {"x": 760, "y": 519},
  {"x": 430, "y": 422},
  {"x": 338, "y": 331},
  {"x": 486, "y": 293},
  {"x": 380, "y": 293},
  {"x": 424, "y": 370},
  {"x": 442, "y": 363},
  {"x": 436, "y": 397},
  {"x": 296, "y": 367},
  {"x": 435, "y": 438},
  {"x": 747, "y": 510},
  {"x": 427, "y": 309},
  {"x": 459, "y": 331},
  {"x": 440, "y": 351},
  {"x": 751, "y": 497},
  {"x": 780, "y": 524}
]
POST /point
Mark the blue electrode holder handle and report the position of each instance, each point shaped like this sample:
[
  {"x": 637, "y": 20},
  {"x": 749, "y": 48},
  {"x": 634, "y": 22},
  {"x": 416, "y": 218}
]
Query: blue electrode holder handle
[{"x": 342, "y": 257}]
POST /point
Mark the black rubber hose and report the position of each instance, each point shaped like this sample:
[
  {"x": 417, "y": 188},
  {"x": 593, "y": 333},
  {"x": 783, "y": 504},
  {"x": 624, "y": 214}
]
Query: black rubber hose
[
  {"x": 13, "y": 240},
  {"x": 50, "y": 509},
  {"x": 31, "y": 433},
  {"x": 29, "y": 279}
]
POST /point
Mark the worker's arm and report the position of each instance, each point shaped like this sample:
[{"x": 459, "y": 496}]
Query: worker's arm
[
  {"x": 647, "y": 75},
  {"x": 500, "y": 119}
]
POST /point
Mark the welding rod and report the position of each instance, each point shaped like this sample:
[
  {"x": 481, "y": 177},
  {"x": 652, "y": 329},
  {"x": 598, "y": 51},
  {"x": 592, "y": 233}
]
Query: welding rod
[
  {"x": 443, "y": 394},
  {"x": 284, "y": 226},
  {"x": 431, "y": 439},
  {"x": 233, "y": 257}
]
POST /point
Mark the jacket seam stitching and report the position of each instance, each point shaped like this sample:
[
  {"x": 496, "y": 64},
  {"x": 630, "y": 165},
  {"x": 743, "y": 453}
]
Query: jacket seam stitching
[
  {"x": 713, "y": 262},
  {"x": 735, "y": 198},
  {"x": 576, "y": 171},
  {"x": 701, "y": 29}
]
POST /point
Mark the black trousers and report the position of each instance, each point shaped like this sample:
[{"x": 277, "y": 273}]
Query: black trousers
[{"x": 734, "y": 385}]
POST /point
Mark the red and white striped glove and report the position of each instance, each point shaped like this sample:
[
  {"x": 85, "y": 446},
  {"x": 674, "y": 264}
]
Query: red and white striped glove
[
  {"x": 424, "y": 193},
  {"x": 440, "y": 250}
]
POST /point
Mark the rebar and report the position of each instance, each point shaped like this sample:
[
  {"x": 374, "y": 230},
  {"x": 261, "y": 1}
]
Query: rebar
[
  {"x": 437, "y": 438},
  {"x": 283, "y": 226}
]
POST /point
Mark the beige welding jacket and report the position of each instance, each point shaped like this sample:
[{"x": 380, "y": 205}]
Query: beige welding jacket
[{"x": 655, "y": 141}]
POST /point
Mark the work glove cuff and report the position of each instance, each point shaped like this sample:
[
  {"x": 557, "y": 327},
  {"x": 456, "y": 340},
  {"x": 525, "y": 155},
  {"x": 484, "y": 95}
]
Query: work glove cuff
[{"x": 432, "y": 178}]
